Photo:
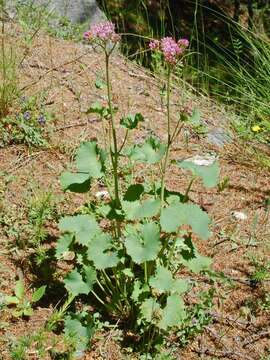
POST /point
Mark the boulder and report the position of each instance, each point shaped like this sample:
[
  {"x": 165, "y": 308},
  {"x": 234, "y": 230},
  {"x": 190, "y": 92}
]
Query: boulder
[{"x": 77, "y": 11}]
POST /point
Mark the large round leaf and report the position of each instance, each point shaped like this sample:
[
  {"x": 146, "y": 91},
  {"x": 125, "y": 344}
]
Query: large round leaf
[
  {"x": 177, "y": 215},
  {"x": 143, "y": 244},
  {"x": 84, "y": 227}
]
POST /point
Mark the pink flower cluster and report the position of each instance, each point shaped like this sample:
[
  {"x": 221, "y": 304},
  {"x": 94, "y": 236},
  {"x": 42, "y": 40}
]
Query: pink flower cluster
[
  {"x": 171, "y": 49},
  {"x": 103, "y": 31}
]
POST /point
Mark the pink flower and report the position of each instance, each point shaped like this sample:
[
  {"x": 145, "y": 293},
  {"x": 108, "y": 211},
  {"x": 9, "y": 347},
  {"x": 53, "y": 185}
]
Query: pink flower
[
  {"x": 154, "y": 44},
  {"x": 103, "y": 31},
  {"x": 183, "y": 42},
  {"x": 171, "y": 49},
  {"x": 86, "y": 35}
]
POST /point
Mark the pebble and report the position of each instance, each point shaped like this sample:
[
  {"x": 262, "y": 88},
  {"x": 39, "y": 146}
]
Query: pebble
[
  {"x": 238, "y": 215},
  {"x": 202, "y": 160}
]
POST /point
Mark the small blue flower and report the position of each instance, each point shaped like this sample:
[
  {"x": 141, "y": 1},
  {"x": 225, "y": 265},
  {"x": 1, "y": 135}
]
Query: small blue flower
[
  {"x": 27, "y": 116},
  {"x": 41, "y": 120}
]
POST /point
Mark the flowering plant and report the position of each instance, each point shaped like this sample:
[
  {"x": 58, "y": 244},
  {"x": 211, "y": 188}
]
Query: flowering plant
[{"x": 129, "y": 247}]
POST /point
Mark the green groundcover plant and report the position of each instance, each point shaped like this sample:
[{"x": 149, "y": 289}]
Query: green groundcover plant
[{"x": 129, "y": 247}]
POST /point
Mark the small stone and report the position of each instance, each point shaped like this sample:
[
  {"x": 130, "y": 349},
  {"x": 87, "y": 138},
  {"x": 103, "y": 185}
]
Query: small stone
[
  {"x": 69, "y": 255},
  {"x": 202, "y": 160},
  {"x": 238, "y": 215},
  {"x": 102, "y": 194}
]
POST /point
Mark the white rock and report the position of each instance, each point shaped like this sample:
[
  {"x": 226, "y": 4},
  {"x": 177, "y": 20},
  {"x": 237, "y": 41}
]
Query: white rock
[
  {"x": 202, "y": 160},
  {"x": 238, "y": 215},
  {"x": 102, "y": 194}
]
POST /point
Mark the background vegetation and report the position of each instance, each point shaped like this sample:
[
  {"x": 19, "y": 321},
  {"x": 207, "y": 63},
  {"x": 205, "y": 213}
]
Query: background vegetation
[{"x": 230, "y": 49}]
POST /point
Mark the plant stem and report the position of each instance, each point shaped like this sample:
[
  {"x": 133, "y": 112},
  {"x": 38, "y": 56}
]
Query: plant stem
[
  {"x": 171, "y": 251},
  {"x": 3, "y": 55},
  {"x": 113, "y": 151},
  {"x": 165, "y": 164},
  {"x": 189, "y": 188},
  {"x": 145, "y": 273}
]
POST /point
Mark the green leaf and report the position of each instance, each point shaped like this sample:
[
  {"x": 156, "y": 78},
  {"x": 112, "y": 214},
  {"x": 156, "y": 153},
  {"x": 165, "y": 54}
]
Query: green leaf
[
  {"x": 138, "y": 290},
  {"x": 90, "y": 276},
  {"x": 101, "y": 110},
  {"x": 148, "y": 208},
  {"x": 18, "y": 313},
  {"x": 195, "y": 118},
  {"x": 63, "y": 244},
  {"x": 143, "y": 245},
  {"x": 192, "y": 259},
  {"x": 84, "y": 227},
  {"x": 134, "y": 192},
  {"x": 131, "y": 209},
  {"x": 39, "y": 293},
  {"x": 90, "y": 163},
  {"x": 180, "y": 286},
  {"x": 28, "y": 311},
  {"x": 128, "y": 272},
  {"x": 131, "y": 121},
  {"x": 101, "y": 252},
  {"x": 89, "y": 159},
  {"x": 76, "y": 182},
  {"x": 82, "y": 333},
  {"x": 163, "y": 281},
  {"x": 174, "y": 312},
  {"x": 198, "y": 264},
  {"x": 150, "y": 152},
  {"x": 177, "y": 215},
  {"x": 208, "y": 173},
  {"x": 150, "y": 310},
  {"x": 139, "y": 210},
  {"x": 99, "y": 84},
  {"x": 19, "y": 289},
  {"x": 75, "y": 284},
  {"x": 12, "y": 300},
  {"x": 96, "y": 108}
]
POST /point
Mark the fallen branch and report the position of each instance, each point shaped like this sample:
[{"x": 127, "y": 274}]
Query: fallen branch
[
  {"x": 256, "y": 337},
  {"x": 228, "y": 354}
]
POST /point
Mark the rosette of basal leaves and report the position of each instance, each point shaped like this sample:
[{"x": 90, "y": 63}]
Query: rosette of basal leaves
[
  {"x": 150, "y": 152},
  {"x": 142, "y": 242},
  {"x": 89, "y": 164}
]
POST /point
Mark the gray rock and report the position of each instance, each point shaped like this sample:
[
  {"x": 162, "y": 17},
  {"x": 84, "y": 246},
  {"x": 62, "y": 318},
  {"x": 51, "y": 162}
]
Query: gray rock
[
  {"x": 77, "y": 11},
  {"x": 218, "y": 137}
]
